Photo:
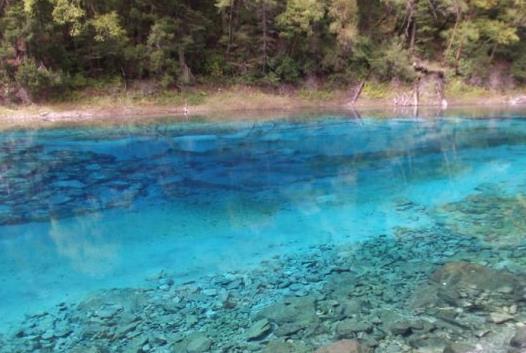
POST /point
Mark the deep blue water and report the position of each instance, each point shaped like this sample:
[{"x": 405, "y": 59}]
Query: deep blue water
[{"x": 90, "y": 209}]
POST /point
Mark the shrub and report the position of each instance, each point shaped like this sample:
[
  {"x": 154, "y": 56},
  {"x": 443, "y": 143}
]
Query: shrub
[
  {"x": 214, "y": 66},
  {"x": 38, "y": 81},
  {"x": 518, "y": 69},
  {"x": 392, "y": 61},
  {"x": 287, "y": 69}
]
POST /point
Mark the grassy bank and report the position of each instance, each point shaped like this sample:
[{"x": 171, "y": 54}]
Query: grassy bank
[{"x": 110, "y": 103}]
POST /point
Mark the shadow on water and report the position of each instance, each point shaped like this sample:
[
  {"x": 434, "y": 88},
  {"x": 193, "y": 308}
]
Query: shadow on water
[{"x": 325, "y": 234}]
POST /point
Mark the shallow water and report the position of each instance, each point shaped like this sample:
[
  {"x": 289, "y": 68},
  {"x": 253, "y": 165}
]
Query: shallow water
[{"x": 272, "y": 236}]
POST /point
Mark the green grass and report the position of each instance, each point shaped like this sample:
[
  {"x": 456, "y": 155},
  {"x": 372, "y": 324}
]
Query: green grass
[
  {"x": 457, "y": 88},
  {"x": 180, "y": 98},
  {"x": 377, "y": 90},
  {"x": 111, "y": 94},
  {"x": 320, "y": 95}
]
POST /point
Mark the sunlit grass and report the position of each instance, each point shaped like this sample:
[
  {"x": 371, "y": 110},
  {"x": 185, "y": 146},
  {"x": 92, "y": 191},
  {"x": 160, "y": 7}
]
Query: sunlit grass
[
  {"x": 380, "y": 90},
  {"x": 459, "y": 89}
]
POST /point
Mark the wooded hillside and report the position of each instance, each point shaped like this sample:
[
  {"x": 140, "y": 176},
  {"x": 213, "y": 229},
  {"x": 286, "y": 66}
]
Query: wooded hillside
[{"x": 49, "y": 46}]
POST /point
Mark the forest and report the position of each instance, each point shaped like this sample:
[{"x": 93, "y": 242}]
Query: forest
[{"x": 48, "y": 47}]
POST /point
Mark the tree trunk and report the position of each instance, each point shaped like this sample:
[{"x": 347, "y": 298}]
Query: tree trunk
[
  {"x": 416, "y": 93},
  {"x": 265, "y": 34},
  {"x": 454, "y": 34},
  {"x": 459, "y": 55},
  {"x": 411, "y": 23},
  {"x": 186, "y": 74},
  {"x": 357, "y": 92},
  {"x": 413, "y": 38},
  {"x": 231, "y": 25}
]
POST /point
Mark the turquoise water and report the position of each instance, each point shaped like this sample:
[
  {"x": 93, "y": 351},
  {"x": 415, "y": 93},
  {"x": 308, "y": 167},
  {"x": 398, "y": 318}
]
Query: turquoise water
[{"x": 404, "y": 235}]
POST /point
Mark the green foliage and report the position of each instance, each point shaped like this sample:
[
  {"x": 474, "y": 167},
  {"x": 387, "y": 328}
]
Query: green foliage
[
  {"x": 345, "y": 17},
  {"x": 518, "y": 66},
  {"x": 162, "y": 46},
  {"x": 215, "y": 66},
  {"x": 107, "y": 28},
  {"x": 39, "y": 82},
  {"x": 286, "y": 69},
  {"x": 392, "y": 61},
  {"x": 376, "y": 90},
  {"x": 518, "y": 69},
  {"x": 300, "y": 17},
  {"x": 70, "y": 13},
  {"x": 458, "y": 88},
  {"x": 49, "y": 45}
]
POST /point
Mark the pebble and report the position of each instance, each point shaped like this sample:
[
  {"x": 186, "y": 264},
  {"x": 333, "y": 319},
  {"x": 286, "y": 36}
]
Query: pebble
[
  {"x": 259, "y": 330},
  {"x": 459, "y": 348},
  {"x": 308, "y": 300},
  {"x": 49, "y": 334},
  {"x": 199, "y": 344},
  {"x": 519, "y": 338},
  {"x": 210, "y": 292},
  {"x": 343, "y": 346},
  {"x": 500, "y": 318}
]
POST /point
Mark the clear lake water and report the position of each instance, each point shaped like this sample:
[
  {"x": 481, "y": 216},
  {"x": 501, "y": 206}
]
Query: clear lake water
[{"x": 328, "y": 234}]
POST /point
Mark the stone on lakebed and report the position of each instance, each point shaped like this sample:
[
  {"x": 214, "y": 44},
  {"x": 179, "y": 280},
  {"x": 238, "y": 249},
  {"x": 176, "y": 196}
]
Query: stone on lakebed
[
  {"x": 199, "y": 344},
  {"x": 259, "y": 330},
  {"x": 342, "y": 346},
  {"x": 285, "y": 347},
  {"x": 519, "y": 339}
]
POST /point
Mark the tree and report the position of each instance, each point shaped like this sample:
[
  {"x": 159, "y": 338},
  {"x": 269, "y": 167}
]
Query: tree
[
  {"x": 73, "y": 43},
  {"x": 344, "y": 16},
  {"x": 481, "y": 28}
]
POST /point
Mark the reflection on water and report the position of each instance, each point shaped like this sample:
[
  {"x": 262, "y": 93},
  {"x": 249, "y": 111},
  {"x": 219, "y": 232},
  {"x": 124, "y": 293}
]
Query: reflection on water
[
  {"x": 83, "y": 245},
  {"x": 328, "y": 235}
]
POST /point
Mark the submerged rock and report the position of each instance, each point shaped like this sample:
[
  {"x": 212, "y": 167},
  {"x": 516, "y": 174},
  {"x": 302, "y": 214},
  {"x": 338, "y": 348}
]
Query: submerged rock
[
  {"x": 469, "y": 275},
  {"x": 459, "y": 348},
  {"x": 394, "y": 322},
  {"x": 299, "y": 310},
  {"x": 285, "y": 347},
  {"x": 343, "y": 346},
  {"x": 470, "y": 286},
  {"x": 350, "y": 327},
  {"x": 199, "y": 343},
  {"x": 500, "y": 318},
  {"x": 519, "y": 338},
  {"x": 259, "y": 330},
  {"x": 490, "y": 216},
  {"x": 134, "y": 345},
  {"x": 89, "y": 349},
  {"x": 427, "y": 342},
  {"x": 368, "y": 292}
]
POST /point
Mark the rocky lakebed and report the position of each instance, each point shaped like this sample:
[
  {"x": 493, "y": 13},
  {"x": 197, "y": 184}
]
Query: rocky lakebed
[{"x": 457, "y": 285}]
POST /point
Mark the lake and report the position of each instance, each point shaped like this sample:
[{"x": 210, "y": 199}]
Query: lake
[{"x": 273, "y": 236}]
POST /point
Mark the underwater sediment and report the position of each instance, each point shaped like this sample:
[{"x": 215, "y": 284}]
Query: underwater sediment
[
  {"x": 424, "y": 290},
  {"x": 394, "y": 237}
]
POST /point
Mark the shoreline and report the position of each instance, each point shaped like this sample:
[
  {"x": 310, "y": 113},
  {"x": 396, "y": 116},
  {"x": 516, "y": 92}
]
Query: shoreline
[{"x": 231, "y": 105}]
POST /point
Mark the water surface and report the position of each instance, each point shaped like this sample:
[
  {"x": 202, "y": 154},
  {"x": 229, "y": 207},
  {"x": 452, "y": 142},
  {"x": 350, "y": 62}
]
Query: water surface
[{"x": 304, "y": 231}]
